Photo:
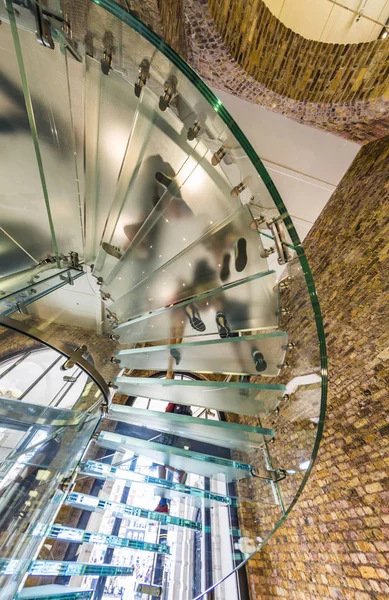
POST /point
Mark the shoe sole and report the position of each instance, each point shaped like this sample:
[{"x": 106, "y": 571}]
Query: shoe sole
[
  {"x": 174, "y": 353},
  {"x": 259, "y": 362},
  {"x": 194, "y": 319},
  {"x": 222, "y": 326},
  {"x": 240, "y": 254},
  {"x": 225, "y": 270}
]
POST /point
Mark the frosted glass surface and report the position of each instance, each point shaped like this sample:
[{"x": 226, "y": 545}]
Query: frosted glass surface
[
  {"x": 229, "y": 356},
  {"x": 182, "y": 215},
  {"x": 220, "y": 433},
  {"x": 178, "y": 458},
  {"x": 240, "y": 398},
  {"x": 155, "y": 144},
  {"x": 247, "y": 305},
  {"x": 109, "y": 106},
  {"x": 210, "y": 262}
]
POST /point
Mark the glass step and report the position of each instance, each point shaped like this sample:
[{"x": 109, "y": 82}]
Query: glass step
[
  {"x": 57, "y": 568},
  {"x": 240, "y": 398},
  {"x": 229, "y": 252},
  {"x": 80, "y": 536},
  {"x": 220, "y": 433},
  {"x": 54, "y": 592},
  {"x": 52, "y": 280},
  {"x": 177, "y": 458},
  {"x": 182, "y": 215},
  {"x": 109, "y": 109},
  {"x": 117, "y": 509},
  {"x": 167, "y": 489},
  {"x": 155, "y": 144},
  {"x": 255, "y": 354},
  {"x": 247, "y": 305}
]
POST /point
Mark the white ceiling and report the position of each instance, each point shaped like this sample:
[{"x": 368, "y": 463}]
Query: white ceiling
[{"x": 323, "y": 20}]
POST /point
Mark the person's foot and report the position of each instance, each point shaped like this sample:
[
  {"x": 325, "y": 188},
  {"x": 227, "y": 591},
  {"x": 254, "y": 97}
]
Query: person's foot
[
  {"x": 163, "y": 179},
  {"x": 112, "y": 250},
  {"x": 162, "y": 507},
  {"x": 222, "y": 325},
  {"x": 259, "y": 362},
  {"x": 175, "y": 353},
  {"x": 240, "y": 254},
  {"x": 193, "y": 315},
  {"x": 225, "y": 270}
]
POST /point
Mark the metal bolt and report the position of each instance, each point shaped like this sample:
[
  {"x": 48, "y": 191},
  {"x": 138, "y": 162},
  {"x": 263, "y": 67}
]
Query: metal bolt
[{"x": 218, "y": 156}]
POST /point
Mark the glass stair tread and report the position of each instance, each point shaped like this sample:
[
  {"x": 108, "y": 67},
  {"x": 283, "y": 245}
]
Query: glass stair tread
[
  {"x": 247, "y": 305},
  {"x": 181, "y": 216},
  {"x": 54, "y": 592},
  {"x": 80, "y": 536},
  {"x": 221, "y": 433},
  {"x": 240, "y": 398},
  {"x": 178, "y": 458},
  {"x": 155, "y": 143},
  {"x": 234, "y": 356},
  {"x": 55, "y": 568},
  {"x": 118, "y": 509},
  {"x": 162, "y": 487},
  {"x": 214, "y": 259}
]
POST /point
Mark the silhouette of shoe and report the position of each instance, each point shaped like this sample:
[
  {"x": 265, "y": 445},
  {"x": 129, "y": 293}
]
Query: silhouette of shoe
[
  {"x": 163, "y": 179},
  {"x": 225, "y": 270},
  {"x": 175, "y": 353},
  {"x": 259, "y": 362},
  {"x": 240, "y": 254},
  {"x": 112, "y": 250},
  {"x": 193, "y": 315},
  {"x": 222, "y": 325}
]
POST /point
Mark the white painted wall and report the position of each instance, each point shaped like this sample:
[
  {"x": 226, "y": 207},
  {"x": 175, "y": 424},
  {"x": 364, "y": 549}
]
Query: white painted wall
[{"x": 305, "y": 164}]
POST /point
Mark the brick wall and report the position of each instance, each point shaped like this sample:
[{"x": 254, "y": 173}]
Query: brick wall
[{"x": 335, "y": 542}]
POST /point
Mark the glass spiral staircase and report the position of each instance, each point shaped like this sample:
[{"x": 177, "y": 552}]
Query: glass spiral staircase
[{"x": 121, "y": 162}]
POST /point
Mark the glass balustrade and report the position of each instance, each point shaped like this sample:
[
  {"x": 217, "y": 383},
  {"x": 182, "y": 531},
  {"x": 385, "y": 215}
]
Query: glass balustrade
[{"x": 118, "y": 151}]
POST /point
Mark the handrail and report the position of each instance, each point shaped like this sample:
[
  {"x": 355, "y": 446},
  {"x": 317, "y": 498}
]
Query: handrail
[{"x": 72, "y": 355}]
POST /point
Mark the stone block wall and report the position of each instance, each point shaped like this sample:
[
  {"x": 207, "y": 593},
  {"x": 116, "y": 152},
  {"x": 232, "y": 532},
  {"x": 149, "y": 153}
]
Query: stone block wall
[{"x": 335, "y": 542}]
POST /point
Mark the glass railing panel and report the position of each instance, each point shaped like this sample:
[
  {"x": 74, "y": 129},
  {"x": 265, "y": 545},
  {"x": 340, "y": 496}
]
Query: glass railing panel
[
  {"x": 227, "y": 253},
  {"x": 238, "y": 398},
  {"x": 182, "y": 215},
  {"x": 21, "y": 191},
  {"x": 155, "y": 145},
  {"x": 220, "y": 433},
  {"x": 245, "y": 355},
  {"x": 302, "y": 410},
  {"x": 49, "y": 91},
  {"x": 30, "y": 477},
  {"x": 247, "y": 305},
  {"x": 109, "y": 107},
  {"x": 178, "y": 458}
]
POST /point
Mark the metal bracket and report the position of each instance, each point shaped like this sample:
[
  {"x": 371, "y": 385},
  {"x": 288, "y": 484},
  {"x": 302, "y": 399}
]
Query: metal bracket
[
  {"x": 106, "y": 62},
  {"x": 144, "y": 74},
  {"x": 21, "y": 308},
  {"x": 193, "y": 131},
  {"x": 78, "y": 353},
  {"x": 67, "y": 277},
  {"x": 170, "y": 90},
  {"x": 218, "y": 156},
  {"x": 276, "y": 228}
]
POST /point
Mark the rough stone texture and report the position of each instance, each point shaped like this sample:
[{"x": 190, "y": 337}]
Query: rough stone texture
[
  {"x": 329, "y": 86},
  {"x": 335, "y": 543},
  {"x": 341, "y": 89}
]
